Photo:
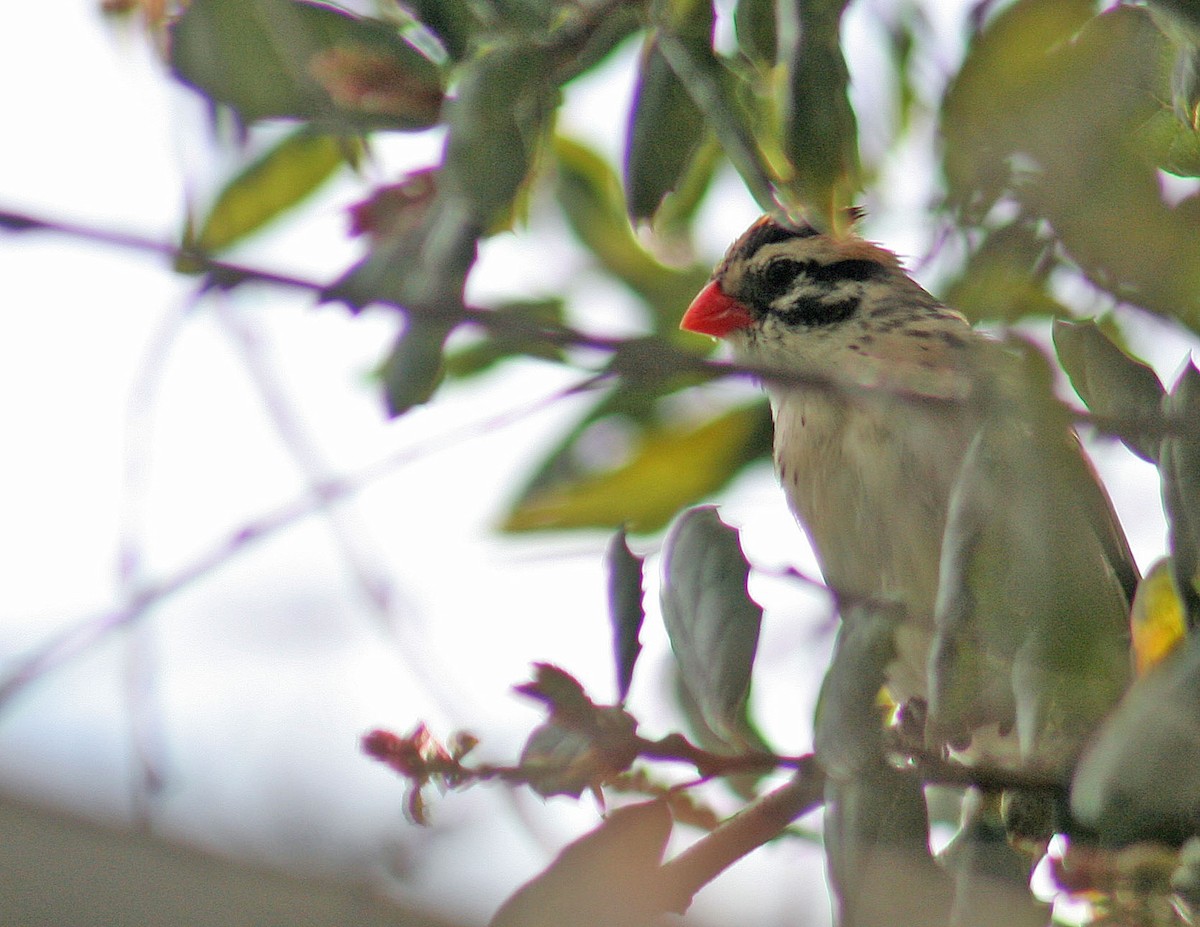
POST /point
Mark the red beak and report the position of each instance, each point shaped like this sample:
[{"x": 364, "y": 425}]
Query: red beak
[{"x": 714, "y": 313}]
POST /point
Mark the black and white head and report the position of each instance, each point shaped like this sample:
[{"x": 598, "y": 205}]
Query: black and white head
[{"x": 784, "y": 295}]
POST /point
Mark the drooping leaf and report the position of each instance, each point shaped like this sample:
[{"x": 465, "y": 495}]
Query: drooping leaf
[
  {"x": 412, "y": 371},
  {"x": 606, "y": 878},
  {"x": 1180, "y": 471},
  {"x": 665, "y": 131},
  {"x": 280, "y": 179},
  {"x": 669, "y": 467},
  {"x": 1036, "y": 579},
  {"x": 285, "y": 58},
  {"x": 711, "y": 620},
  {"x": 1109, "y": 381},
  {"x": 1139, "y": 780},
  {"x": 714, "y": 89},
  {"x": 1158, "y": 619},
  {"x": 561, "y": 761},
  {"x": 754, "y": 26},
  {"x": 849, "y": 723},
  {"x": 625, "y": 608},
  {"x": 820, "y": 132},
  {"x": 497, "y": 124},
  {"x": 877, "y": 850}
]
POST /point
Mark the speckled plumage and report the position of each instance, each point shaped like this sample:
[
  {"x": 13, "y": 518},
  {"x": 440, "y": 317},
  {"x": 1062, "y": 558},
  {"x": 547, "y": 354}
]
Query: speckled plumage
[{"x": 870, "y": 470}]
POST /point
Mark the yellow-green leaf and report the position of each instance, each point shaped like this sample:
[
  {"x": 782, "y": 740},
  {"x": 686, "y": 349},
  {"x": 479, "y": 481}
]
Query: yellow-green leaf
[
  {"x": 270, "y": 186},
  {"x": 1157, "y": 622},
  {"x": 671, "y": 467}
]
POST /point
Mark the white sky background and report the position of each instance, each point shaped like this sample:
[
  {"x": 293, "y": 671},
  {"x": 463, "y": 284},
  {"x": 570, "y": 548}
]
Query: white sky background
[{"x": 249, "y": 690}]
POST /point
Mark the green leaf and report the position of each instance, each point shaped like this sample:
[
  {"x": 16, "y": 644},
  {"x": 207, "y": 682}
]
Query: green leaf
[
  {"x": 1007, "y": 68},
  {"x": 607, "y": 878},
  {"x": 714, "y": 90},
  {"x": 497, "y": 124},
  {"x": 1036, "y": 580},
  {"x": 1109, "y": 381},
  {"x": 849, "y": 722},
  {"x": 1013, "y": 128},
  {"x": 820, "y": 133},
  {"x": 413, "y": 369},
  {"x": 625, "y": 609},
  {"x": 665, "y": 131},
  {"x": 1005, "y": 278},
  {"x": 270, "y": 186},
  {"x": 452, "y": 21},
  {"x": 670, "y": 466},
  {"x": 880, "y": 869},
  {"x": 280, "y": 58},
  {"x": 559, "y": 760},
  {"x": 754, "y": 26},
  {"x": 590, "y": 195},
  {"x": 1180, "y": 472},
  {"x": 711, "y": 620},
  {"x": 1139, "y": 780}
]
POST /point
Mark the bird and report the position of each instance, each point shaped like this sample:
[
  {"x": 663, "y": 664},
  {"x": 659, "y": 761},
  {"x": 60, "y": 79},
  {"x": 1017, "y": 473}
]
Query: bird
[{"x": 932, "y": 470}]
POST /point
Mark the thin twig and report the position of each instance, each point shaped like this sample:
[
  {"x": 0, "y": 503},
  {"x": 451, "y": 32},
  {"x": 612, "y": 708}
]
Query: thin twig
[
  {"x": 668, "y": 359},
  {"x": 81, "y": 635}
]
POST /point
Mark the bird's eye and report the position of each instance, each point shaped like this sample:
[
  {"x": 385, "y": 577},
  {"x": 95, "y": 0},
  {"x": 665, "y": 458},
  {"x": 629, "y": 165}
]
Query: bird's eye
[{"x": 779, "y": 275}]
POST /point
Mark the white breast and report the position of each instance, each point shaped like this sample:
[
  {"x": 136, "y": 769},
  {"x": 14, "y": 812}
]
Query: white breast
[{"x": 869, "y": 479}]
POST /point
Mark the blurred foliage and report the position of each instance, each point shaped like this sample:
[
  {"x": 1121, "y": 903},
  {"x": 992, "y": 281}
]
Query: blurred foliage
[{"x": 1057, "y": 133}]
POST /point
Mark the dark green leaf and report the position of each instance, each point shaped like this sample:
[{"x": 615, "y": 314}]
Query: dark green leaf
[
  {"x": 1180, "y": 472},
  {"x": 1188, "y": 11},
  {"x": 267, "y": 188},
  {"x": 820, "y": 133},
  {"x": 669, "y": 467},
  {"x": 625, "y": 609},
  {"x": 665, "y": 131},
  {"x": 754, "y": 24},
  {"x": 269, "y": 58},
  {"x": 695, "y": 723},
  {"x": 712, "y": 87},
  {"x": 877, "y": 847},
  {"x": 413, "y": 369},
  {"x": 1139, "y": 780},
  {"x": 498, "y": 122},
  {"x": 1036, "y": 580},
  {"x": 711, "y": 620},
  {"x": 1110, "y": 382},
  {"x": 606, "y": 878},
  {"x": 452, "y": 21},
  {"x": 849, "y": 722}
]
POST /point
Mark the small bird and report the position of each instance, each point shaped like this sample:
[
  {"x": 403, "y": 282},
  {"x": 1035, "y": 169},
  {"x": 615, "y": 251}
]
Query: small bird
[{"x": 932, "y": 472}]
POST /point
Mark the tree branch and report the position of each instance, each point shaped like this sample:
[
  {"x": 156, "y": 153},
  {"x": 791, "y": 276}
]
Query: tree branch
[
  {"x": 740, "y": 835},
  {"x": 627, "y": 356}
]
